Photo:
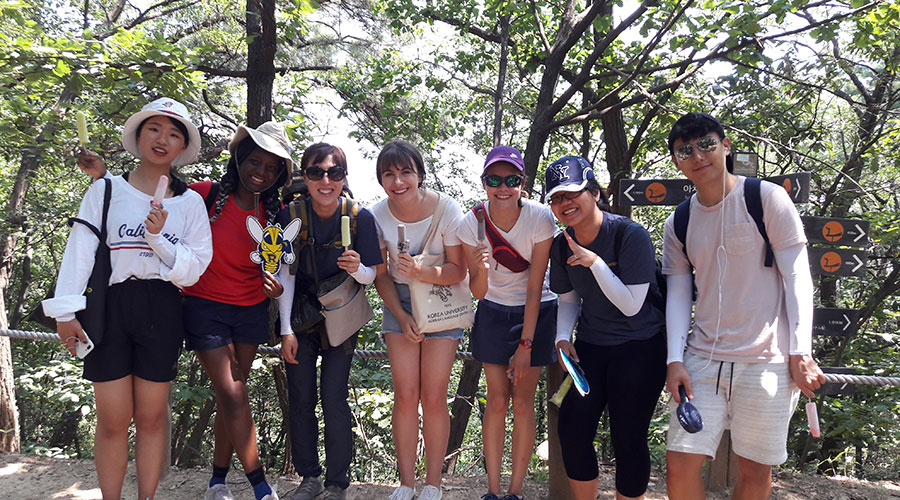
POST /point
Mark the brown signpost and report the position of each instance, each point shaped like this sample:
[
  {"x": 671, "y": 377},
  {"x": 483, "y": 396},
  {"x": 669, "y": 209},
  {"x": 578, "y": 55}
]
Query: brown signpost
[
  {"x": 832, "y": 231},
  {"x": 826, "y": 261},
  {"x": 635, "y": 192},
  {"x": 835, "y": 322}
]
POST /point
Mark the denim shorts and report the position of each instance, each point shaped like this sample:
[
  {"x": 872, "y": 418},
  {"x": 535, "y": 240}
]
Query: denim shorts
[
  {"x": 390, "y": 324},
  {"x": 498, "y": 328},
  {"x": 209, "y": 324}
]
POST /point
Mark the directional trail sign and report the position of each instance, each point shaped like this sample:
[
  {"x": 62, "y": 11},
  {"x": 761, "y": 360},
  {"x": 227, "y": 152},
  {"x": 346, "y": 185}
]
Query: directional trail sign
[
  {"x": 843, "y": 232},
  {"x": 674, "y": 191},
  {"x": 835, "y": 322},
  {"x": 837, "y": 261},
  {"x": 836, "y": 388}
]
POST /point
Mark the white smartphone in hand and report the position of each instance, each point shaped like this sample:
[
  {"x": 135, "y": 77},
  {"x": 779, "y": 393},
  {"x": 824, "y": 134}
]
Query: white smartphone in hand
[{"x": 82, "y": 349}]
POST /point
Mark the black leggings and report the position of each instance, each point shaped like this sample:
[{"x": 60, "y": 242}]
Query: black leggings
[{"x": 628, "y": 378}]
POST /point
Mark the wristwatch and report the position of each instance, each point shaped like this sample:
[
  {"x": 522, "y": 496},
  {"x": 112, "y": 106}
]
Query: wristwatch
[{"x": 526, "y": 343}]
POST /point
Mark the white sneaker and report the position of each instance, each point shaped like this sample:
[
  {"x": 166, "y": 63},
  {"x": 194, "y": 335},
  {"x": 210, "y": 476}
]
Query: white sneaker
[
  {"x": 403, "y": 493},
  {"x": 271, "y": 496},
  {"x": 218, "y": 492},
  {"x": 430, "y": 492}
]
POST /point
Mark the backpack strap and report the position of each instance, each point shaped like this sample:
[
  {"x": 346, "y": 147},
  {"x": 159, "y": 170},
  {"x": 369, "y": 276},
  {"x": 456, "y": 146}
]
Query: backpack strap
[
  {"x": 617, "y": 243},
  {"x": 682, "y": 217},
  {"x": 211, "y": 196},
  {"x": 753, "y": 200},
  {"x": 494, "y": 236},
  {"x": 350, "y": 208},
  {"x": 101, "y": 232},
  {"x": 297, "y": 210}
]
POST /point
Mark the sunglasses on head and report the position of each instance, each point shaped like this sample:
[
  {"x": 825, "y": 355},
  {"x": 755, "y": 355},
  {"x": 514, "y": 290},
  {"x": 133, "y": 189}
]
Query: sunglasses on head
[
  {"x": 558, "y": 198},
  {"x": 496, "y": 180},
  {"x": 316, "y": 173},
  {"x": 704, "y": 145}
]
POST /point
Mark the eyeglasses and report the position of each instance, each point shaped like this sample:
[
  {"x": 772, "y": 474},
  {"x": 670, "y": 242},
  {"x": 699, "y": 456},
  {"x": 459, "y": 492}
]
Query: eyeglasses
[
  {"x": 495, "y": 180},
  {"x": 558, "y": 198},
  {"x": 704, "y": 144},
  {"x": 316, "y": 173}
]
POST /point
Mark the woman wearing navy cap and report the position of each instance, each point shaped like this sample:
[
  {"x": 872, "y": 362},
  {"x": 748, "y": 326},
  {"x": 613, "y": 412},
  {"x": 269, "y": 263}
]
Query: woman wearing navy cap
[
  {"x": 604, "y": 269},
  {"x": 516, "y": 318}
]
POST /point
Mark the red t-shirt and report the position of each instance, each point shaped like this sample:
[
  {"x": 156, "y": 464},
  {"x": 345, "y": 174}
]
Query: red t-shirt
[{"x": 231, "y": 278}]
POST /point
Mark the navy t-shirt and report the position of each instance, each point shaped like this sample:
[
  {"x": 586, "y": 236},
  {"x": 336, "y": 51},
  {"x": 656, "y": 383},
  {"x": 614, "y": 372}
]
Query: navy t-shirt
[
  {"x": 324, "y": 232},
  {"x": 600, "y": 322}
]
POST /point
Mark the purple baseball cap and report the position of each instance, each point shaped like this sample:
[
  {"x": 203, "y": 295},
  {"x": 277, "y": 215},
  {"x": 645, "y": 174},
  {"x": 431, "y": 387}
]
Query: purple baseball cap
[
  {"x": 569, "y": 173},
  {"x": 506, "y": 154}
]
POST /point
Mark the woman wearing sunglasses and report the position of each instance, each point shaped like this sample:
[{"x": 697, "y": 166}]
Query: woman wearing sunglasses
[
  {"x": 515, "y": 322},
  {"x": 420, "y": 362},
  {"x": 324, "y": 170},
  {"x": 604, "y": 269}
]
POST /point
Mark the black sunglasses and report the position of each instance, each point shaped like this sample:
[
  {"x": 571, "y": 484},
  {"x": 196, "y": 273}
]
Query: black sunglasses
[
  {"x": 495, "y": 180},
  {"x": 316, "y": 173}
]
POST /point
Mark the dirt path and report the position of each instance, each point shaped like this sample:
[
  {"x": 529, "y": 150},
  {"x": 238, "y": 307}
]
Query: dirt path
[{"x": 29, "y": 477}]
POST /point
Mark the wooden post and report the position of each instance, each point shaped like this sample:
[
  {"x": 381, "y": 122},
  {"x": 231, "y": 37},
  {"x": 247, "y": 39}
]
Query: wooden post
[
  {"x": 559, "y": 482},
  {"x": 721, "y": 473}
]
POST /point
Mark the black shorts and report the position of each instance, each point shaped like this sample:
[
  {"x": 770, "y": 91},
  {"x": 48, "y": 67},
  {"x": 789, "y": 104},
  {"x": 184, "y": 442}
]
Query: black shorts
[
  {"x": 495, "y": 336},
  {"x": 209, "y": 324},
  {"x": 143, "y": 335}
]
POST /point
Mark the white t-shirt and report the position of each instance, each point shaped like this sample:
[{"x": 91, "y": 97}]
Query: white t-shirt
[
  {"x": 753, "y": 326},
  {"x": 445, "y": 235},
  {"x": 179, "y": 253},
  {"x": 534, "y": 225}
]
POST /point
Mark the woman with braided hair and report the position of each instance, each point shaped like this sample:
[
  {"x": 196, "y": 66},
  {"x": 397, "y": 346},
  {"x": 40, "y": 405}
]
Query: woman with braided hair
[{"x": 226, "y": 313}]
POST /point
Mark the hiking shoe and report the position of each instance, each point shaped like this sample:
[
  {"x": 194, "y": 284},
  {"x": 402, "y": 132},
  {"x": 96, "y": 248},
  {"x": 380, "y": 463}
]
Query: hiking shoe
[
  {"x": 309, "y": 489},
  {"x": 510, "y": 496},
  {"x": 430, "y": 492},
  {"x": 218, "y": 492},
  {"x": 403, "y": 493},
  {"x": 489, "y": 496},
  {"x": 335, "y": 492}
]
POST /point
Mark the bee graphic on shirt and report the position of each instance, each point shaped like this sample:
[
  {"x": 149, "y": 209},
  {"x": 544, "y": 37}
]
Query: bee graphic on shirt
[{"x": 273, "y": 243}]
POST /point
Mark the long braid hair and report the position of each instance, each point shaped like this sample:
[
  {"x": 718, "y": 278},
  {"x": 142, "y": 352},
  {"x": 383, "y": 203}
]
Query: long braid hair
[{"x": 230, "y": 181}]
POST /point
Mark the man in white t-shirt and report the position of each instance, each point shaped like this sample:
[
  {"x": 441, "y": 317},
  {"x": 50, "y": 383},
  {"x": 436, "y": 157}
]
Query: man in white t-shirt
[{"x": 750, "y": 352}]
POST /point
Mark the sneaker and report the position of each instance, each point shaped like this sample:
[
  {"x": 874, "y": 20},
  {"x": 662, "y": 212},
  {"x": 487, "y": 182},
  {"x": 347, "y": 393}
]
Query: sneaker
[
  {"x": 218, "y": 492},
  {"x": 335, "y": 492},
  {"x": 489, "y": 496},
  {"x": 309, "y": 489},
  {"x": 510, "y": 496},
  {"x": 271, "y": 496},
  {"x": 403, "y": 493},
  {"x": 430, "y": 492}
]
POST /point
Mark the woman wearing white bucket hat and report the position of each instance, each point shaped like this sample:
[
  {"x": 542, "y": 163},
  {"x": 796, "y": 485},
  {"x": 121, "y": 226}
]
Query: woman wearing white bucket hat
[
  {"x": 226, "y": 311},
  {"x": 154, "y": 251}
]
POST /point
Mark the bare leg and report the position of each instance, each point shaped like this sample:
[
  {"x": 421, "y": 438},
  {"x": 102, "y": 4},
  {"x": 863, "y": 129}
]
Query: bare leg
[
  {"x": 151, "y": 401},
  {"x": 437, "y": 361},
  {"x": 493, "y": 428},
  {"x": 584, "y": 490},
  {"x": 524, "y": 427},
  {"x": 754, "y": 480},
  {"x": 683, "y": 479},
  {"x": 405, "y": 358},
  {"x": 115, "y": 405}
]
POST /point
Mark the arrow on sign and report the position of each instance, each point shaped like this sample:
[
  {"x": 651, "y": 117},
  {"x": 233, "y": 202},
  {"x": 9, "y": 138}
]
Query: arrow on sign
[
  {"x": 796, "y": 188},
  {"x": 861, "y": 232},
  {"x": 859, "y": 263},
  {"x": 848, "y": 323},
  {"x": 629, "y": 188}
]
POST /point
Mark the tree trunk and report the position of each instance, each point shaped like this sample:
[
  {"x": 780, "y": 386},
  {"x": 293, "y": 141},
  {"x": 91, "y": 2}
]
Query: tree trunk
[
  {"x": 260, "y": 60},
  {"x": 191, "y": 453},
  {"x": 461, "y": 410},
  {"x": 501, "y": 81},
  {"x": 618, "y": 163},
  {"x": 24, "y": 280}
]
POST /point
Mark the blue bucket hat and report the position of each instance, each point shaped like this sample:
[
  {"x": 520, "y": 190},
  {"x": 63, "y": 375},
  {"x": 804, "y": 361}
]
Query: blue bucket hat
[{"x": 569, "y": 173}]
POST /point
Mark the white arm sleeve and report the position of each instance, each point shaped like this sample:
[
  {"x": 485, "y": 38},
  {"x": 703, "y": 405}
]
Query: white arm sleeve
[
  {"x": 286, "y": 300},
  {"x": 187, "y": 259},
  {"x": 567, "y": 315},
  {"x": 793, "y": 264},
  {"x": 627, "y": 298},
  {"x": 678, "y": 314},
  {"x": 364, "y": 275}
]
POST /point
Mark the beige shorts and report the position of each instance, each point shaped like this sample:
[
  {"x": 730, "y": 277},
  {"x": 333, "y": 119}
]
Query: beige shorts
[{"x": 754, "y": 401}]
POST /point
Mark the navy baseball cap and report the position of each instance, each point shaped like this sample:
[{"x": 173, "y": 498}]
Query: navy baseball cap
[
  {"x": 569, "y": 173},
  {"x": 506, "y": 154}
]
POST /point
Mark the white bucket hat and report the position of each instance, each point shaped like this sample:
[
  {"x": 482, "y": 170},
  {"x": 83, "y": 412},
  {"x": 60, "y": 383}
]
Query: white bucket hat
[
  {"x": 270, "y": 136},
  {"x": 165, "y": 107}
]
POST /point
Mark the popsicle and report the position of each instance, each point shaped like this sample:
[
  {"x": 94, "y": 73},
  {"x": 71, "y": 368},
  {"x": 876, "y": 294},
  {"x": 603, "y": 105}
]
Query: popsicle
[
  {"x": 479, "y": 215},
  {"x": 345, "y": 231},
  {"x": 82, "y": 128},
  {"x": 812, "y": 416},
  {"x": 402, "y": 242},
  {"x": 564, "y": 387},
  {"x": 160, "y": 193}
]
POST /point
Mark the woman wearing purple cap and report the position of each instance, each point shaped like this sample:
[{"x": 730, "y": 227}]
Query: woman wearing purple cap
[
  {"x": 155, "y": 250},
  {"x": 516, "y": 318},
  {"x": 603, "y": 267}
]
